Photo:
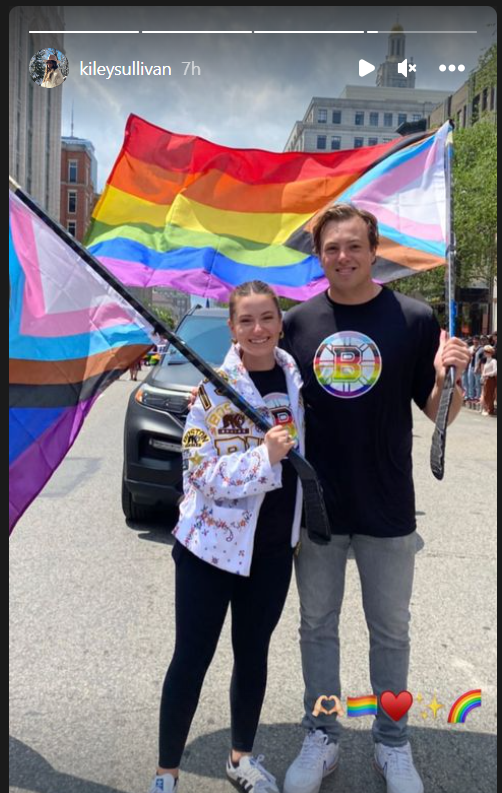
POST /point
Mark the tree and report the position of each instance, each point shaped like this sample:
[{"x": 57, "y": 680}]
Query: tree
[
  {"x": 475, "y": 201},
  {"x": 165, "y": 316}
]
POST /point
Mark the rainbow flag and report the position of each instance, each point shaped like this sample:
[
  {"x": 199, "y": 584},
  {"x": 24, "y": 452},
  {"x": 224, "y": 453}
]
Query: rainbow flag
[
  {"x": 463, "y": 706},
  {"x": 362, "y": 706},
  {"x": 181, "y": 212},
  {"x": 70, "y": 335}
]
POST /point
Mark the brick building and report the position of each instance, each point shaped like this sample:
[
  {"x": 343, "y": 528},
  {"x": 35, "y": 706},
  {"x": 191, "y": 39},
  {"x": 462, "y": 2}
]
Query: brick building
[{"x": 79, "y": 175}]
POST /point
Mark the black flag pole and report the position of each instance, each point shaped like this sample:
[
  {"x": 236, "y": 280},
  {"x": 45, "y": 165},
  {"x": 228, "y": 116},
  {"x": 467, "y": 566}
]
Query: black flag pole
[
  {"x": 316, "y": 516},
  {"x": 438, "y": 447}
]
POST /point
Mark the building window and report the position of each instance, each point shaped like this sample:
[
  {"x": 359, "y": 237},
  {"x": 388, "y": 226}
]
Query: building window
[
  {"x": 387, "y": 119},
  {"x": 373, "y": 119},
  {"x": 321, "y": 141},
  {"x": 358, "y": 143},
  {"x": 72, "y": 171},
  {"x": 484, "y": 99},
  {"x": 416, "y": 117},
  {"x": 72, "y": 227},
  {"x": 336, "y": 143},
  {"x": 337, "y": 117},
  {"x": 322, "y": 116},
  {"x": 359, "y": 118},
  {"x": 372, "y": 141},
  {"x": 401, "y": 118},
  {"x": 72, "y": 201}
]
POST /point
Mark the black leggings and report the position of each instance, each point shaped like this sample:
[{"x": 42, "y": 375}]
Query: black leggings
[{"x": 203, "y": 593}]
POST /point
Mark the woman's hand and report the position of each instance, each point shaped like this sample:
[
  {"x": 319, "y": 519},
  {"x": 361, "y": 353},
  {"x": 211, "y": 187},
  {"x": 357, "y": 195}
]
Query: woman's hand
[
  {"x": 278, "y": 442},
  {"x": 192, "y": 398}
]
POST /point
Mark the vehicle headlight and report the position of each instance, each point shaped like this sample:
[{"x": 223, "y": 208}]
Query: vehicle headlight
[{"x": 162, "y": 399}]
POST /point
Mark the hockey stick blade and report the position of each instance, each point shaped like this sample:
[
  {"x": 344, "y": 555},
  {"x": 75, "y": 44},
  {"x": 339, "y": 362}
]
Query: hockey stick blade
[{"x": 438, "y": 447}]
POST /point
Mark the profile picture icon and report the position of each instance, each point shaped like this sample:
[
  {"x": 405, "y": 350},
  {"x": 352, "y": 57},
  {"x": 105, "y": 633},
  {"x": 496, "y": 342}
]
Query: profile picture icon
[{"x": 49, "y": 68}]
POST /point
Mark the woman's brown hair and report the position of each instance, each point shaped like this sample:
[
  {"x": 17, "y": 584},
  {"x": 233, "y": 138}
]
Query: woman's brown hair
[{"x": 251, "y": 288}]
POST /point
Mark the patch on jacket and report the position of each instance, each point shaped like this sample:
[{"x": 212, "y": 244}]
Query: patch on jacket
[
  {"x": 205, "y": 401},
  {"x": 194, "y": 438},
  {"x": 233, "y": 424}
]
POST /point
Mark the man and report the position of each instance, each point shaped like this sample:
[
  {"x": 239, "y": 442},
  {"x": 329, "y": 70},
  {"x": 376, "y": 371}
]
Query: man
[
  {"x": 364, "y": 353},
  {"x": 53, "y": 75}
]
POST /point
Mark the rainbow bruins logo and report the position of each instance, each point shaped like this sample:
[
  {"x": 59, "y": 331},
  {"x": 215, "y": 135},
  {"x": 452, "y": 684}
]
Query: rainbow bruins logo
[
  {"x": 463, "y": 706},
  {"x": 347, "y": 364}
]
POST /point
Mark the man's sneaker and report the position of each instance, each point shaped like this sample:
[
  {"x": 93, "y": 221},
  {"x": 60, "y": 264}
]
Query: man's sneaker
[
  {"x": 317, "y": 759},
  {"x": 395, "y": 764},
  {"x": 250, "y": 775},
  {"x": 164, "y": 784}
]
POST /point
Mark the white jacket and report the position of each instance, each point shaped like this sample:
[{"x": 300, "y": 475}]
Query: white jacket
[
  {"x": 53, "y": 79},
  {"x": 227, "y": 470}
]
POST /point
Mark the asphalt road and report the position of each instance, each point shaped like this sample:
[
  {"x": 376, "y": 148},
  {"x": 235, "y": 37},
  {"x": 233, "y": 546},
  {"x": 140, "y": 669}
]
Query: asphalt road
[{"x": 91, "y": 608}]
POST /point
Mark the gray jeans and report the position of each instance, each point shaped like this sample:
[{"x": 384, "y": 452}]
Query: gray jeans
[{"x": 386, "y": 567}]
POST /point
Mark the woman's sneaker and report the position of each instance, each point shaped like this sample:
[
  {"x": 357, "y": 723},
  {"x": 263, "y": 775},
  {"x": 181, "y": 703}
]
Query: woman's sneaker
[
  {"x": 250, "y": 775},
  {"x": 164, "y": 784},
  {"x": 318, "y": 758},
  {"x": 395, "y": 764}
]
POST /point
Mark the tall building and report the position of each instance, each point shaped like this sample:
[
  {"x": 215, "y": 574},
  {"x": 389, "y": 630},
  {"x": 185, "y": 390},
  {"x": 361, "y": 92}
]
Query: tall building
[
  {"x": 362, "y": 115},
  {"x": 387, "y": 74},
  {"x": 34, "y": 112},
  {"x": 79, "y": 176}
]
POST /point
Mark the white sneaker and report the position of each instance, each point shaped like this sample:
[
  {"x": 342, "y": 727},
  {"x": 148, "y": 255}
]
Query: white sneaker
[
  {"x": 395, "y": 764},
  {"x": 164, "y": 784},
  {"x": 316, "y": 760},
  {"x": 250, "y": 775}
]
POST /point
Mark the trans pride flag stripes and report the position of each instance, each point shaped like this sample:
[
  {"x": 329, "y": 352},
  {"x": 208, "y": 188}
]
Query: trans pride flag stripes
[
  {"x": 181, "y": 212},
  {"x": 70, "y": 335}
]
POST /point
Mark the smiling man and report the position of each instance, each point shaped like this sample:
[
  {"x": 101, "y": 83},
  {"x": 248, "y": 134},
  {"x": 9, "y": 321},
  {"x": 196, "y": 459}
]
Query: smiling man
[{"x": 365, "y": 353}]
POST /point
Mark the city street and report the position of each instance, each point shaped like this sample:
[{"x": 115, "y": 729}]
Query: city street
[{"x": 92, "y": 616}]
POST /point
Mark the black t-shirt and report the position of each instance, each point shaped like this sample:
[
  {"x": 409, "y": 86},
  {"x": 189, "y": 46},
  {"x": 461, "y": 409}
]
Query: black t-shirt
[
  {"x": 273, "y": 531},
  {"x": 362, "y": 365}
]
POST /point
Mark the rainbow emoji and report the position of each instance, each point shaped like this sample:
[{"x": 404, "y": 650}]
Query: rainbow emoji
[
  {"x": 463, "y": 706},
  {"x": 361, "y": 706}
]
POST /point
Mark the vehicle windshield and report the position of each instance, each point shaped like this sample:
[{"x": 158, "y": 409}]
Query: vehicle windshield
[{"x": 208, "y": 336}]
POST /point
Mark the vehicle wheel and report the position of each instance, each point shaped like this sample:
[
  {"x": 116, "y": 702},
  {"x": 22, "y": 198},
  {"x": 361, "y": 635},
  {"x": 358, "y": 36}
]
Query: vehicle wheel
[{"x": 132, "y": 511}]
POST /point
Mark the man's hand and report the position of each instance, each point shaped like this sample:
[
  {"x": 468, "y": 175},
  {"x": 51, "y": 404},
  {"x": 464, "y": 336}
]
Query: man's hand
[{"x": 451, "y": 352}]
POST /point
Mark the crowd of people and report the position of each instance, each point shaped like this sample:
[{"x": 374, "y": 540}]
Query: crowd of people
[{"x": 479, "y": 380}]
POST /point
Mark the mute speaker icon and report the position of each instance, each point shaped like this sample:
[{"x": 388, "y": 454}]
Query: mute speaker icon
[{"x": 402, "y": 67}]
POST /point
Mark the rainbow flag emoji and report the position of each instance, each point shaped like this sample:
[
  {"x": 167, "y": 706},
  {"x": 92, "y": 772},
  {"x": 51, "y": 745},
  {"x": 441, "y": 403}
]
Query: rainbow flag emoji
[
  {"x": 182, "y": 212},
  {"x": 463, "y": 706},
  {"x": 361, "y": 706}
]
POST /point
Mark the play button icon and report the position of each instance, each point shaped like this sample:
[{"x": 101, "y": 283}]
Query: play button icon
[{"x": 365, "y": 68}]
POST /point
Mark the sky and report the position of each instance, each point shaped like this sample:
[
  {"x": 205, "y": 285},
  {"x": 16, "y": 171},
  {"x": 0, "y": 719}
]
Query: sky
[{"x": 252, "y": 88}]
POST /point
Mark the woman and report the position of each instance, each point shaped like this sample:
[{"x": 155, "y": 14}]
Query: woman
[
  {"x": 52, "y": 76},
  {"x": 239, "y": 524},
  {"x": 489, "y": 381}
]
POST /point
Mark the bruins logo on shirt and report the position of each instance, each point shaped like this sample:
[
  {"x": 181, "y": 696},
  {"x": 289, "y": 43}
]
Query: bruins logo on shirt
[{"x": 347, "y": 364}]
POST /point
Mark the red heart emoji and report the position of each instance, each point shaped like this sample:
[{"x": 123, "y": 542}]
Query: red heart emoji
[{"x": 396, "y": 706}]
